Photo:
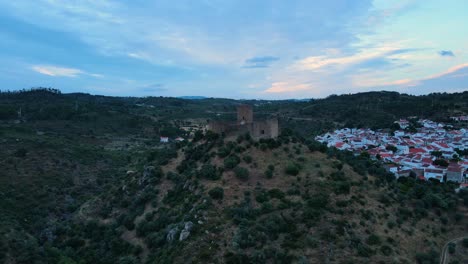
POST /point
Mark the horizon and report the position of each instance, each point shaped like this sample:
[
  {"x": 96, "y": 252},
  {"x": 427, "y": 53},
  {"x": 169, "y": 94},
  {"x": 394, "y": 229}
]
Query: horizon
[
  {"x": 201, "y": 97},
  {"x": 226, "y": 49}
]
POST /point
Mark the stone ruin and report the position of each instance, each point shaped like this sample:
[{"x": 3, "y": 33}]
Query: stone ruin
[{"x": 258, "y": 129}]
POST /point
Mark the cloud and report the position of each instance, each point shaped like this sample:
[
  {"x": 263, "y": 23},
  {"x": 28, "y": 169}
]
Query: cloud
[
  {"x": 318, "y": 62},
  {"x": 366, "y": 81},
  {"x": 451, "y": 70},
  {"x": 57, "y": 71},
  {"x": 260, "y": 62},
  {"x": 446, "y": 53},
  {"x": 282, "y": 87}
]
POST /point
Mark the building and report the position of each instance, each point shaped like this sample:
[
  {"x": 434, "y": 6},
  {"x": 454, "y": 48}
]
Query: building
[
  {"x": 163, "y": 139},
  {"x": 437, "y": 174},
  {"x": 245, "y": 123},
  {"x": 455, "y": 173}
]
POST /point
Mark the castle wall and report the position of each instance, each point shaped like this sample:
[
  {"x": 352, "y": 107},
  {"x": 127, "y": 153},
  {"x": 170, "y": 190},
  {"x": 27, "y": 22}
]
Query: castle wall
[
  {"x": 245, "y": 123},
  {"x": 265, "y": 129},
  {"x": 244, "y": 114},
  {"x": 219, "y": 127}
]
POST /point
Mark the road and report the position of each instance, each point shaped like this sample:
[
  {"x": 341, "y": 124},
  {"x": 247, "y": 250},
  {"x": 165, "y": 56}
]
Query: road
[{"x": 443, "y": 255}]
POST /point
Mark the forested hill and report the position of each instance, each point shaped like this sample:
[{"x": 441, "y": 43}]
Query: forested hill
[
  {"x": 307, "y": 117},
  {"x": 388, "y": 105},
  {"x": 373, "y": 109}
]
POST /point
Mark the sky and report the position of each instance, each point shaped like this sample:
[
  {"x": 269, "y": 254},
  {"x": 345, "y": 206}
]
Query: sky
[{"x": 260, "y": 49}]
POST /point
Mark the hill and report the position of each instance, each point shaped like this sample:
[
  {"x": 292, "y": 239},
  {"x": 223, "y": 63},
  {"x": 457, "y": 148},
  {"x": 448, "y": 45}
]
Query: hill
[
  {"x": 374, "y": 110},
  {"x": 84, "y": 179}
]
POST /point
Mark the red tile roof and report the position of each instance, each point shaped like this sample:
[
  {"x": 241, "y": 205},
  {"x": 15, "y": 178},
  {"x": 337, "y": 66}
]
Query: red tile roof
[{"x": 417, "y": 150}]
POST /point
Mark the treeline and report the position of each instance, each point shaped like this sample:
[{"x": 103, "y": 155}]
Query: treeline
[{"x": 380, "y": 109}]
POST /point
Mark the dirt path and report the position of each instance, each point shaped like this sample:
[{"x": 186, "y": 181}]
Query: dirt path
[{"x": 443, "y": 255}]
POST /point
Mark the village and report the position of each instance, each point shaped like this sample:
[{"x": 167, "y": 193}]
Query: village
[{"x": 431, "y": 151}]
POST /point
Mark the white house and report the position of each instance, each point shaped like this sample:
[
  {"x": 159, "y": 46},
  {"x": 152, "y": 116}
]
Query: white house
[
  {"x": 402, "y": 149},
  {"x": 164, "y": 139},
  {"x": 437, "y": 174}
]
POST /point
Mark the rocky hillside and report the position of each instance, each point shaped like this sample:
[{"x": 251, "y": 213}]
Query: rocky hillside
[{"x": 276, "y": 201}]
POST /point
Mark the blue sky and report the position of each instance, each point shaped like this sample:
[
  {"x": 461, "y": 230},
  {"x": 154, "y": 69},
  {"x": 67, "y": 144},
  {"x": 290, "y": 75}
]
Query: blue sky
[{"x": 237, "y": 49}]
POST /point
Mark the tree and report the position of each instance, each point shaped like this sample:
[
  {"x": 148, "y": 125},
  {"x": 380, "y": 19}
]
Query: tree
[
  {"x": 241, "y": 173},
  {"x": 440, "y": 162},
  {"x": 217, "y": 193},
  {"x": 451, "y": 247},
  {"x": 465, "y": 242},
  {"x": 210, "y": 172},
  {"x": 391, "y": 148},
  {"x": 436, "y": 153},
  {"x": 231, "y": 162},
  {"x": 292, "y": 169}
]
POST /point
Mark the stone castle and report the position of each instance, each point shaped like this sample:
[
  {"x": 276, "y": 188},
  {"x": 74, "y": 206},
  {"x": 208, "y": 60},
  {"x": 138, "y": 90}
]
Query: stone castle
[{"x": 245, "y": 124}]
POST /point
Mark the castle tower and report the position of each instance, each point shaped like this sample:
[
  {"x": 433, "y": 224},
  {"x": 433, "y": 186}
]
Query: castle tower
[{"x": 244, "y": 114}]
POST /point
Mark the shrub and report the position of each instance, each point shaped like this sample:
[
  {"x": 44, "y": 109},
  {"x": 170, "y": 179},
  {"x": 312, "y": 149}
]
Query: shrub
[
  {"x": 465, "y": 242},
  {"x": 276, "y": 193},
  {"x": 373, "y": 239},
  {"x": 231, "y": 162},
  {"x": 364, "y": 251},
  {"x": 210, "y": 172},
  {"x": 341, "y": 187},
  {"x": 217, "y": 193},
  {"x": 386, "y": 250},
  {"x": 269, "y": 171},
  {"x": 247, "y": 158},
  {"x": 292, "y": 169},
  {"x": 224, "y": 152},
  {"x": 241, "y": 173},
  {"x": 21, "y": 153},
  {"x": 451, "y": 248},
  {"x": 269, "y": 174},
  {"x": 431, "y": 257}
]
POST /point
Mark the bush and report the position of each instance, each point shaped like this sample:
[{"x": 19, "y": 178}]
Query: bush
[
  {"x": 269, "y": 174},
  {"x": 386, "y": 250},
  {"x": 341, "y": 187},
  {"x": 247, "y": 158},
  {"x": 465, "y": 242},
  {"x": 241, "y": 173},
  {"x": 209, "y": 172},
  {"x": 431, "y": 257},
  {"x": 21, "y": 153},
  {"x": 373, "y": 239},
  {"x": 224, "y": 152},
  {"x": 217, "y": 193},
  {"x": 451, "y": 248},
  {"x": 364, "y": 251},
  {"x": 276, "y": 193},
  {"x": 231, "y": 162},
  {"x": 292, "y": 169}
]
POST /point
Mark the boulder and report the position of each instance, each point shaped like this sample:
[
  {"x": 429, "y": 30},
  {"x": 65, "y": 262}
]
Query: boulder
[
  {"x": 184, "y": 235},
  {"x": 148, "y": 173},
  {"x": 188, "y": 226},
  {"x": 171, "y": 234}
]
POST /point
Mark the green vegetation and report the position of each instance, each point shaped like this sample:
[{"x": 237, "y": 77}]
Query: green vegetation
[
  {"x": 241, "y": 173},
  {"x": 292, "y": 169},
  {"x": 216, "y": 193},
  {"x": 84, "y": 179}
]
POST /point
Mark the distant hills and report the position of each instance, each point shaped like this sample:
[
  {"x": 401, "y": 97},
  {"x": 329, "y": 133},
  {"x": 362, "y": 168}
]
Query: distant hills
[{"x": 192, "y": 97}]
